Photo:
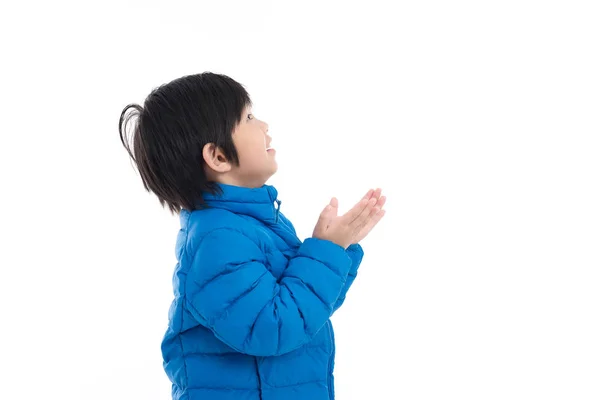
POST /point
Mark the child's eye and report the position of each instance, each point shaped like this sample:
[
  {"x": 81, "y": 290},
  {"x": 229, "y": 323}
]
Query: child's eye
[{"x": 250, "y": 115}]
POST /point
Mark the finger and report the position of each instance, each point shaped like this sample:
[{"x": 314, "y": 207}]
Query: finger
[
  {"x": 363, "y": 217},
  {"x": 369, "y": 194},
  {"x": 375, "y": 210},
  {"x": 355, "y": 211},
  {"x": 374, "y": 220},
  {"x": 372, "y": 214},
  {"x": 334, "y": 202},
  {"x": 377, "y": 193},
  {"x": 381, "y": 202},
  {"x": 325, "y": 216},
  {"x": 334, "y": 208}
]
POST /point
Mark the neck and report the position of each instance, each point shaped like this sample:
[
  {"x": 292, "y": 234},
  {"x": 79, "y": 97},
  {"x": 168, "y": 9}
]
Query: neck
[{"x": 238, "y": 181}]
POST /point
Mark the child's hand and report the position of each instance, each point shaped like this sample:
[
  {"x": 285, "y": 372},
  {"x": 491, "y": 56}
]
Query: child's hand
[
  {"x": 372, "y": 194},
  {"x": 355, "y": 224}
]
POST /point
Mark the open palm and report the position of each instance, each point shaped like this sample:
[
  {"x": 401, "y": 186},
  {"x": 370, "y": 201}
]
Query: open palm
[
  {"x": 330, "y": 215},
  {"x": 377, "y": 214}
]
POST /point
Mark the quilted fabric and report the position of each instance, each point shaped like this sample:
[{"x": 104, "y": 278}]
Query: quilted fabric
[{"x": 250, "y": 317}]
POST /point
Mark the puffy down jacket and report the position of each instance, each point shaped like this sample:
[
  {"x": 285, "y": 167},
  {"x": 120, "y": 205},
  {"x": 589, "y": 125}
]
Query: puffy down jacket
[{"x": 250, "y": 317}]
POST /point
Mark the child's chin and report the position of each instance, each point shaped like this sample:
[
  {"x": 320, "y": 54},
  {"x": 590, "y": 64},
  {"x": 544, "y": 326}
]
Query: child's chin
[{"x": 273, "y": 171}]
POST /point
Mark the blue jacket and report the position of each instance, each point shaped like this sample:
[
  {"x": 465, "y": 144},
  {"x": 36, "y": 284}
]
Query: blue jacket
[{"x": 250, "y": 318}]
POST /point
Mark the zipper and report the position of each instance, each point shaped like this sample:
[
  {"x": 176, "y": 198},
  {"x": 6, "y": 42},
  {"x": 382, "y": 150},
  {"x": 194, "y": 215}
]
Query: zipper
[
  {"x": 330, "y": 369},
  {"x": 277, "y": 210}
]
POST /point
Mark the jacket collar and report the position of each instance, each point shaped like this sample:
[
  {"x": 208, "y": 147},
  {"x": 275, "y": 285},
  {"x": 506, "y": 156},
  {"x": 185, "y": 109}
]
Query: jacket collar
[{"x": 260, "y": 203}]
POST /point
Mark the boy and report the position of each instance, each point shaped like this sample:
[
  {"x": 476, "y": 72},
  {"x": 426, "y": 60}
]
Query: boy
[{"x": 250, "y": 318}]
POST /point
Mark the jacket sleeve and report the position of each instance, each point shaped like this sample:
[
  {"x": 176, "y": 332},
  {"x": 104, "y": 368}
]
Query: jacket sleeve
[
  {"x": 230, "y": 291},
  {"x": 356, "y": 253}
]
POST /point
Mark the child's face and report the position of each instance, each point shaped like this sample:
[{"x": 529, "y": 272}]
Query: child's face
[{"x": 257, "y": 159}]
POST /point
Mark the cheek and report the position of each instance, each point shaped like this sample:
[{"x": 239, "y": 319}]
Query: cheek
[
  {"x": 251, "y": 153},
  {"x": 256, "y": 148}
]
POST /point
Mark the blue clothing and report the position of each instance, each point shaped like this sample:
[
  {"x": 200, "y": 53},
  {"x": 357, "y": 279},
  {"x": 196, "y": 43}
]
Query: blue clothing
[{"x": 250, "y": 318}]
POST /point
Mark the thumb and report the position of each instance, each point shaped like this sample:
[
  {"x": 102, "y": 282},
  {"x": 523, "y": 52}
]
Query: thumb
[
  {"x": 329, "y": 212},
  {"x": 334, "y": 207}
]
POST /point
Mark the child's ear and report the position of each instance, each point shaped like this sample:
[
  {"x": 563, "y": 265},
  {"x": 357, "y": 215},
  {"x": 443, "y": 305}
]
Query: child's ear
[{"x": 215, "y": 158}]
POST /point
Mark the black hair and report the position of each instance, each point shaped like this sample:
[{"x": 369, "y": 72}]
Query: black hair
[{"x": 177, "y": 120}]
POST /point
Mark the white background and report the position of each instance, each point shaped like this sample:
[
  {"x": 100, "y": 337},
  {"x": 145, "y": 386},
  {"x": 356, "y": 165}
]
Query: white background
[{"x": 479, "y": 119}]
